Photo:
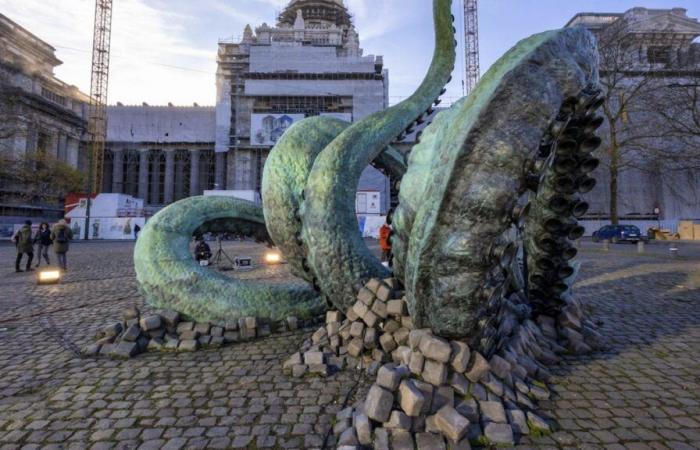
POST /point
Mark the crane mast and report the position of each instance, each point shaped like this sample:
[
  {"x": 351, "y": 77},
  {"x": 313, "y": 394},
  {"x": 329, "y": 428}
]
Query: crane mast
[
  {"x": 471, "y": 44},
  {"x": 97, "y": 111}
]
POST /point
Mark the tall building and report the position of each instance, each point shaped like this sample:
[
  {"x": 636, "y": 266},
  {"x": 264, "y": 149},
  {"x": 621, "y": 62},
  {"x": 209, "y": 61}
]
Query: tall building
[
  {"x": 38, "y": 114},
  {"x": 646, "y": 54},
  {"x": 310, "y": 63}
]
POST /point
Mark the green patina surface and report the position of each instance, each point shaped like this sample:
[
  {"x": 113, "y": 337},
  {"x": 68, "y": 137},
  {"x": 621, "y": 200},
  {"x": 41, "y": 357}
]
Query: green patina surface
[
  {"x": 170, "y": 278},
  {"x": 455, "y": 221}
]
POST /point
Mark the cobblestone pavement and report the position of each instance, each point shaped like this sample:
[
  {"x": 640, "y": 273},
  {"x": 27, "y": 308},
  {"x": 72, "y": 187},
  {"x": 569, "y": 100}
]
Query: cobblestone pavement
[{"x": 643, "y": 391}]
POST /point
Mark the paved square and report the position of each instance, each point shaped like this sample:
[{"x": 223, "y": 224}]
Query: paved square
[{"x": 643, "y": 391}]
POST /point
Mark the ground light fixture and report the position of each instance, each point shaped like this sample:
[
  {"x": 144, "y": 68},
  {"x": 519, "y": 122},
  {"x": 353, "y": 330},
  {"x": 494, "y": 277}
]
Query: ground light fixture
[
  {"x": 48, "y": 276},
  {"x": 273, "y": 257}
]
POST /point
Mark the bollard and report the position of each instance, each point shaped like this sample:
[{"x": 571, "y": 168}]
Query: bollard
[
  {"x": 606, "y": 245},
  {"x": 640, "y": 246},
  {"x": 673, "y": 250}
]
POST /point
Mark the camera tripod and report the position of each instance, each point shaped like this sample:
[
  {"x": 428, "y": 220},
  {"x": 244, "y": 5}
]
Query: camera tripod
[{"x": 220, "y": 255}]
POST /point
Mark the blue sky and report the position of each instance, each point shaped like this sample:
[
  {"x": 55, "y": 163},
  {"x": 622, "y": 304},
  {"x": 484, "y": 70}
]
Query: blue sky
[{"x": 165, "y": 50}]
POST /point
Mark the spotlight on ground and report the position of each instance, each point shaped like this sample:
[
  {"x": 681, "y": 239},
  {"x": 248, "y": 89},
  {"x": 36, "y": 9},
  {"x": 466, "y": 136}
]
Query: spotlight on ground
[
  {"x": 273, "y": 257},
  {"x": 50, "y": 276}
]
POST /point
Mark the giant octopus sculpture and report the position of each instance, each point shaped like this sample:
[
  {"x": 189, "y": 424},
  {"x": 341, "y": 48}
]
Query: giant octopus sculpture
[{"x": 488, "y": 208}]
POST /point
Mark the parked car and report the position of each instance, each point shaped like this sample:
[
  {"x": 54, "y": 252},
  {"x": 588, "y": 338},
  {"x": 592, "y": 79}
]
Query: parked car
[{"x": 619, "y": 233}]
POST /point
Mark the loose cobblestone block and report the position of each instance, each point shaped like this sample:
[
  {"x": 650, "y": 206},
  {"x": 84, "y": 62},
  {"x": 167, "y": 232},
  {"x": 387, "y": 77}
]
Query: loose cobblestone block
[
  {"x": 388, "y": 377},
  {"x": 170, "y": 318},
  {"x": 459, "y": 383},
  {"x": 356, "y": 329},
  {"x": 334, "y": 316},
  {"x": 184, "y": 326},
  {"x": 401, "y": 336},
  {"x": 355, "y": 347},
  {"x": 366, "y": 296},
  {"x": 451, "y": 423},
  {"x": 435, "y": 348},
  {"x": 363, "y": 429},
  {"x": 202, "y": 327},
  {"x": 398, "y": 419},
  {"x": 434, "y": 372},
  {"x": 378, "y": 403},
  {"x": 479, "y": 368},
  {"x": 460, "y": 356},
  {"x": 387, "y": 342},
  {"x": 469, "y": 409},
  {"x": 113, "y": 329},
  {"x": 149, "y": 323},
  {"x": 384, "y": 292},
  {"x": 416, "y": 363},
  {"x": 313, "y": 357},
  {"x": 381, "y": 439},
  {"x": 124, "y": 350},
  {"x": 401, "y": 440},
  {"x": 292, "y": 323},
  {"x": 379, "y": 308},
  {"x": 443, "y": 395},
  {"x": 188, "y": 345},
  {"x": 370, "y": 319},
  {"x": 411, "y": 398},
  {"x": 396, "y": 307},
  {"x": 132, "y": 333},
  {"x": 430, "y": 441}
]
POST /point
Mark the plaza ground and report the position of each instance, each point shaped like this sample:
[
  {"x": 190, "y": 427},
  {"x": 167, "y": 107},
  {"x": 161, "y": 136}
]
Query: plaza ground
[{"x": 642, "y": 391}]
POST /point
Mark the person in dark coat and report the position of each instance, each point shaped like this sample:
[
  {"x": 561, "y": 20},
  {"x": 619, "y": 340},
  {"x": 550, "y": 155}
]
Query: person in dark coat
[
  {"x": 137, "y": 229},
  {"x": 202, "y": 251},
  {"x": 61, "y": 236},
  {"x": 43, "y": 241},
  {"x": 25, "y": 245}
]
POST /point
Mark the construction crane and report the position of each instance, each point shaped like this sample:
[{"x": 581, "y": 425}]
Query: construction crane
[
  {"x": 471, "y": 44},
  {"x": 97, "y": 112}
]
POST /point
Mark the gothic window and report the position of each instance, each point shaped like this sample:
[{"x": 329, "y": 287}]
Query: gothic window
[
  {"x": 131, "y": 173},
  {"x": 207, "y": 170},
  {"x": 156, "y": 177},
  {"x": 108, "y": 170},
  {"x": 182, "y": 174}
]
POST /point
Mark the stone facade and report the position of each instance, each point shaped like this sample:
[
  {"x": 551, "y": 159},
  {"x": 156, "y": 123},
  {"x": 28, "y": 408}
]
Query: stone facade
[
  {"x": 660, "y": 42},
  {"x": 39, "y": 113},
  {"x": 309, "y": 64}
]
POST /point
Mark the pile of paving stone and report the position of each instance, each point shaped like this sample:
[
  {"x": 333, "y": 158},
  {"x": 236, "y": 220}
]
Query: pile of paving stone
[
  {"x": 168, "y": 330},
  {"x": 373, "y": 330},
  {"x": 432, "y": 393}
]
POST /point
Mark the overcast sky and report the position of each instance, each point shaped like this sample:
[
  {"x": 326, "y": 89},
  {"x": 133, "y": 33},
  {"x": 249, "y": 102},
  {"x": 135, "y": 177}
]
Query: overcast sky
[{"x": 165, "y": 50}]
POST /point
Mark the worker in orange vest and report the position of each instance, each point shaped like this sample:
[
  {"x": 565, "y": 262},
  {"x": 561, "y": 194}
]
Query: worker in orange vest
[{"x": 385, "y": 241}]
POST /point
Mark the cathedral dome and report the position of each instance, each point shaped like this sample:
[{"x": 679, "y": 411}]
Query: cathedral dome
[{"x": 317, "y": 13}]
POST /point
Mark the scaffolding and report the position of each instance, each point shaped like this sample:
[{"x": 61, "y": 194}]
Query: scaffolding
[{"x": 471, "y": 44}]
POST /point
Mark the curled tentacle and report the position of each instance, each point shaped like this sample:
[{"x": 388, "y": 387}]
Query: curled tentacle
[
  {"x": 169, "y": 277},
  {"x": 467, "y": 175},
  {"x": 337, "y": 255}
]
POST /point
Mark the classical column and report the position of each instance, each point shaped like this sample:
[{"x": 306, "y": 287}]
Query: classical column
[
  {"x": 194, "y": 172},
  {"x": 169, "y": 181},
  {"x": 118, "y": 171},
  {"x": 220, "y": 170},
  {"x": 143, "y": 175}
]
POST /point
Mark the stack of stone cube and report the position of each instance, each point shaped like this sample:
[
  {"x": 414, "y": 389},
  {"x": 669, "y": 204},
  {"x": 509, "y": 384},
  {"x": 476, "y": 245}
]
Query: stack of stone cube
[
  {"x": 374, "y": 329},
  {"x": 169, "y": 331},
  {"x": 437, "y": 394}
]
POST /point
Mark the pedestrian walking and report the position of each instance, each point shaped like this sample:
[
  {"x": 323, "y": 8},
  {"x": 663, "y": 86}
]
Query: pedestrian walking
[
  {"x": 61, "y": 236},
  {"x": 43, "y": 241},
  {"x": 137, "y": 229},
  {"x": 25, "y": 245}
]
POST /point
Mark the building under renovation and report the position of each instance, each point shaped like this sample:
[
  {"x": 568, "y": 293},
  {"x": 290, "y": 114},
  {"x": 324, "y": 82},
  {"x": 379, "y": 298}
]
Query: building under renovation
[{"x": 310, "y": 63}]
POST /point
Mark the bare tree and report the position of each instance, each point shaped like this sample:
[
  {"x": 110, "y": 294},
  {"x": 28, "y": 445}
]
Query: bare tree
[{"x": 650, "y": 124}]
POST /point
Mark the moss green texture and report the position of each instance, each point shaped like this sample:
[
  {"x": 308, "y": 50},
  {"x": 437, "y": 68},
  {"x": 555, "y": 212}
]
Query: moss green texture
[
  {"x": 169, "y": 277},
  {"x": 336, "y": 252},
  {"x": 467, "y": 174}
]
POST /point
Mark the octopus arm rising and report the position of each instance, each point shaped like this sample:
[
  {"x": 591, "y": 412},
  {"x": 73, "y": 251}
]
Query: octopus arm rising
[{"x": 488, "y": 202}]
